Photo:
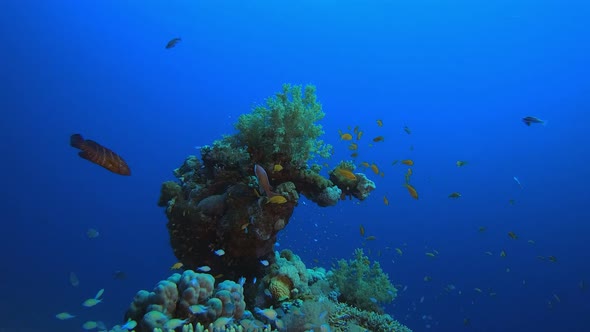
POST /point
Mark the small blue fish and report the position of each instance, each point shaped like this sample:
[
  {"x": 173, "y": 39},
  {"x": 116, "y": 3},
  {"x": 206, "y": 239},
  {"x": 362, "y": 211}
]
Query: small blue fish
[
  {"x": 518, "y": 182},
  {"x": 372, "y": 299},
  {"x": 264, "y": 262}
]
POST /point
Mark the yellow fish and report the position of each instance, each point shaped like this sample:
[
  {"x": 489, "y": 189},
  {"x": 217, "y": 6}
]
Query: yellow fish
[
  {"x": 512, "y": 235},
  {"x": 176, "y": 266},
  {"x": 346, "y": 174},
  {"x": 353, "y": 146},
  {"x": 454, "y": 195},
  {"x": 380, "y": 123},
  {"x": 375, "y": 168},
  {"x": 411, "y": 190},
  {"x": 277, "y": 168},
  {"x": 370, "y": 238},
  {"x": 399, "y": 251},
  {"x": 385, "y": 200},
  {"x": 354, "y": 155},
  {"x": 359, "y": 135},
  {"x": 277, "y": 199},
  {"x": 408, "y": 162},
  {"x": 365, "y": 164},
  {"x": 346, "y": 137}
]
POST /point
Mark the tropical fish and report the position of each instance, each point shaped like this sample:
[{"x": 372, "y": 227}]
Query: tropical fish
[
  {"x": 428, "y": 278},
  {"x": 371, "y": 238},
  {"x": 429, "y": 254},
  {"x": 407, "y": 130},
  {"x": 174, "y": 323},
  {"x": 64, "y": 316},
  {"x": 204, "y": 268},
  {"x": 347, "y": 174},
  {"x": 517, "y": 182},
  {"x": 269, "y": 314},
  {"x": 93, "y": 301},
  {"x": 129, "y": 326},
  {"x": 380, "y": 123},
  {"x": 411, "y": 190},
  {"x": 277, "y": 167},
  {"x": 359, "y": 135},
  {"x": 378, "y": 139},
  {"x": 461, "y": 163},
  {"x": 354, "y": 155},
  {"x": 362, "y": 230},
  {"x": 532, "y": 119},
  {"x": 277, "y": 199},
  {"x": 176, "y": 266},
  {"x": 454, "y": 195},
  {"x": 385, "y": 200},
  {"x": 219, "y": 252},
  {"x": 197, "y": 309},
  {"x": 172, "y": 43},
  {"x": 90, "y": 325},
  {"x": 375, "y": 169},
  {"x": 502, "y": 253},
  {"x": 394, "y": 162},
  {"x": 263, "y": 180},
  {"x": 92, "y": 233},
  {"x": 346, "y": 137},
  {"x": 264, "y": 262},
  {"x": 99, "y": 155},
  {"x": 552, "y": 259},
  {"x": 408, "y": 162},
  {"x": 353, "y": 146},
  {"x": 512, "y": 235},
  {"x": 399, "y": 251},
  {"x": 365, "y": 164},
  {"x": 482, "y": 229}
]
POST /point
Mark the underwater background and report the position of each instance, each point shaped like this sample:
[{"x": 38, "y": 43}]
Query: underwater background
[{"x": 460, "y": 75}]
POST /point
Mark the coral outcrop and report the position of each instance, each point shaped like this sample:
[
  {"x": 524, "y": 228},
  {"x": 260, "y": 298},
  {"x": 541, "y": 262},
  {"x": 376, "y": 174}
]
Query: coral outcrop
[{"x": 217, "y": 201}]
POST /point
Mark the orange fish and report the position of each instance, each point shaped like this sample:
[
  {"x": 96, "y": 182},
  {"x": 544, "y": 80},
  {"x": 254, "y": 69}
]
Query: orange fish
[
  {"x": 375, "y": 168},
  {"x": 412, "y": 190},
  {"x": 385, "y": 200},
  {"x": 346, "y": 174},
  {"x": 99, "y": 155},
  {"x": 408, "y": 162},
  {"x": 173, "y": 43}
]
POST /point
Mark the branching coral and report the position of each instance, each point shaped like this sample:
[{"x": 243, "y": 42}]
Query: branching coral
[
  {"x": 286, "y": 125},
  {"x": 362, "y": 284}
]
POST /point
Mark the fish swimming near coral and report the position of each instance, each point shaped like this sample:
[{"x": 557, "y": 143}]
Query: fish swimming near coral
[
  {"x": 99, "y": 155},
  {"x": 532, "y": 119},
  {"x": 263, "y": 180}
]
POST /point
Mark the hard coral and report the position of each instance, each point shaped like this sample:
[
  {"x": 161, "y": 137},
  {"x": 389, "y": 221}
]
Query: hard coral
[
  {"x": 286, "y": 125},
  {"x": 173, "y": 297}
]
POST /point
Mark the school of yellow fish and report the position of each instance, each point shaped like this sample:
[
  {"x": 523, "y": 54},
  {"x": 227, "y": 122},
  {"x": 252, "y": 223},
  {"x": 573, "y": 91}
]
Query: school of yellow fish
[{"x": 356, "y": 134}]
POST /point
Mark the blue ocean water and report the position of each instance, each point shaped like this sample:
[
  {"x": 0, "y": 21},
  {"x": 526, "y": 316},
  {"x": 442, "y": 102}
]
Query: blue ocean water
[{"x": 460, "y": 74}]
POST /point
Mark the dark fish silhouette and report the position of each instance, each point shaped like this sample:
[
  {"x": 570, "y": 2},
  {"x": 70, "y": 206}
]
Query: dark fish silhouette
[
  {"x": 532, "y": 119},
  {"x": 173, "y": 43},
  {"x": 99, "y": 155}
]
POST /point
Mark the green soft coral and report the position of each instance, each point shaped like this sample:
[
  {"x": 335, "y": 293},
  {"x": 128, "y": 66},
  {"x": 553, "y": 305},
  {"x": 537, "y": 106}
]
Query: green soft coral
[
  {"x": 286, "y": 126},
  {"x": 362, "y": 284}
]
